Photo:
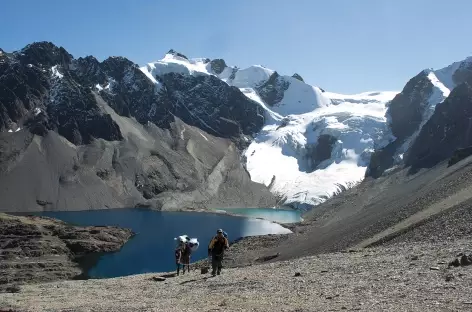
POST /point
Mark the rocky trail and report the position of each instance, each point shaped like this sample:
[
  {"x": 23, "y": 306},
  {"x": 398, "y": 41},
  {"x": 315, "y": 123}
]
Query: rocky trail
[{"x": 401, "y": 277}]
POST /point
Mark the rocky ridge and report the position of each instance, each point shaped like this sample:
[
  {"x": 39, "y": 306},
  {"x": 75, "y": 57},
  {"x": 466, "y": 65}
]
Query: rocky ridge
[
  {"x": 429, "y": 119},
  {"x": 41, "y": 249},
  {"x": 104, "y": 133}
]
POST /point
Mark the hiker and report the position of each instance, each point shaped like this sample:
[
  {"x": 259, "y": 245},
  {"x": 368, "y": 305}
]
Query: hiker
[
  {"x": 216, "y": 249},
  {"x": 178, "y": 257},
  {"x": 185, "y": 247},
  {"x": 185, "y": 257}
]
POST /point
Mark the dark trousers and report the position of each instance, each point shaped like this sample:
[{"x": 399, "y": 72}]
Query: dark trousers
[{"x": 216, "y": 263}]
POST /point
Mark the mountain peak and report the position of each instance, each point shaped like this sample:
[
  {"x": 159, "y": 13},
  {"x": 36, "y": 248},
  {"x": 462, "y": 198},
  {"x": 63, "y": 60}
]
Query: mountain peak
[
  {"x": 44, "y": 53},
  {"x": 218, "y": 65},
  {"x": 175, "y": 53},
  {"x": 297, "y": 76}
]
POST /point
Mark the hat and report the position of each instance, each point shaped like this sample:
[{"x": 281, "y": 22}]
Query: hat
[{"x": 219, "y": 231}]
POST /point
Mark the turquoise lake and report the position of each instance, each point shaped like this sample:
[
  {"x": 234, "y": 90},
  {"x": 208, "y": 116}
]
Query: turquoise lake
[{"x": 152, "y": 249}]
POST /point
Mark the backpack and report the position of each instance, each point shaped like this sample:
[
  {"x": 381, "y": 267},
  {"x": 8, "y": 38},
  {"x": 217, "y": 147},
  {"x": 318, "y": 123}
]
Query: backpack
[{"x": 219, "y": 246}]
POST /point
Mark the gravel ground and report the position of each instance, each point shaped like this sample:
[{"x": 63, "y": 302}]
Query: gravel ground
[
  {"x": 375, "y": 206},
  {"x": 449, "y": 226},
  {"x": 401, "y": 277}
]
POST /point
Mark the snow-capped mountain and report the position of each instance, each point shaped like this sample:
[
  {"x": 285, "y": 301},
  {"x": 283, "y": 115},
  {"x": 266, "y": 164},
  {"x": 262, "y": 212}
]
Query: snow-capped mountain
[
  {"x": 82, "y": 134},
  {"x": 313, "y": 143},
  {"x": 432, "y": 102},
  {"x": 175, "y": 117}
]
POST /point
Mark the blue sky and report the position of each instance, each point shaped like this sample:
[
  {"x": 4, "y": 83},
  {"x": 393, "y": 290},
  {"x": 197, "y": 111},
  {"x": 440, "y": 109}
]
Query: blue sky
[{"x": 340, "y": 45}]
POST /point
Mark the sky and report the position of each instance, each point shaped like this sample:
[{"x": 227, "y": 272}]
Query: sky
[{"x": 345, "y": 46}]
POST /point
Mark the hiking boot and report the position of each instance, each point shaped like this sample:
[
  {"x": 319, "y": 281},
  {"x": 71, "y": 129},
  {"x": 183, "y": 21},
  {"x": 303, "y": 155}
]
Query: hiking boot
[
  {"x": 218, "y": 273},
  {"x": 213, "y": 273}
]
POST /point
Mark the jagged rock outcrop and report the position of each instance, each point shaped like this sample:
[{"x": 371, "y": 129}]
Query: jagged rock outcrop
[
  {"x": 210, "y": 104},
  {"x": 218, "y": 65},
  {"x": 41, "y": 249},
  {"x": 406, "y": 113},
  {"x": 36, "y": 89},
  {"x": 321, "y": 151},
  {"x": 430, "y": 120},
  {"x": 463, "y": 72},
  {"x": 62, "y": 86},
  {"x": 272, "y": 91},
  {"x": 175, "y": 53},
  {"x": 448, "y": 129},
  {"x": 460, "y": 154},
  {"x": 407, "y": 107},
  {"x": 297, "y": 76}
]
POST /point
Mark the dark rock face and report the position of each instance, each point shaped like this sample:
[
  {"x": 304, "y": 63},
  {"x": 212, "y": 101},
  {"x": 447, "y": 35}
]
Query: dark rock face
[
  {"x": 272, "y": 91},
  {"x": 406, "y": 109},
  {"x": 40, "y": 249},
  {"x": 87, "y": 71},
  {"x": 173, "y": 52},
  {"x": 382, "y": 159},
  {"x": 37, "y": 90},
  {"x": 321, "y": 151},
  {"x": 297, "y": 76},
  {"x": 448, "y": 129},
  {"x": 22, "y": 88},
  {"x": 74, "y": 114},
  {"x": 463, "y": 73},
  {"x": 45, "y": 54},
  {"x": 406, "y": 112},
  {"x": 132, "y": 94},
  {"x": 218, "y": 65},
  {"x": 460, "y": 154},
  {"x": 47, "y": 77},
  {"x": 210, "y": 104}
]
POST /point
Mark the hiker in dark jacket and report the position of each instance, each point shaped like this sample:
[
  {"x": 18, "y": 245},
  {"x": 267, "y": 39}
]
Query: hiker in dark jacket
[
  {"x": 185, "y": 257},
  {"x": 216, "y": 249}
]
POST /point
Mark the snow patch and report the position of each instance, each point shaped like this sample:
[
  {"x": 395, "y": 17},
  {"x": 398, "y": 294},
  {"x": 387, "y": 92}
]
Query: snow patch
[
  {"x": 175, "y": 64},
  {"x": 250, "y": 77},
  {"x": 271, "y": 116},
  {"x": 300, "y": 98},
  {"x": 56, "y": 73},
  {"x": 445, "y": 75},
  {"x": 37, "y": 111},
  {"x": 203, "y": 136}
]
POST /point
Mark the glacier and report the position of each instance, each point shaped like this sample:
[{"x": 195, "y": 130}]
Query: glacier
[{"x": 300, "y": 119}]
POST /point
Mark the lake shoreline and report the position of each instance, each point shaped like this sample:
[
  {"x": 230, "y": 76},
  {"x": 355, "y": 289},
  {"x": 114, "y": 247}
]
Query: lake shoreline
[
  {"x": 221, "y": 211},
  {"x": 242, "y": 247},
  {"x": 40, "y": 249},
  {"x": 147, "y": 223}
]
